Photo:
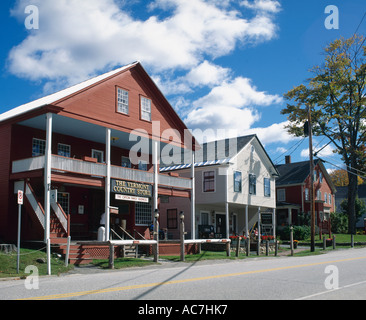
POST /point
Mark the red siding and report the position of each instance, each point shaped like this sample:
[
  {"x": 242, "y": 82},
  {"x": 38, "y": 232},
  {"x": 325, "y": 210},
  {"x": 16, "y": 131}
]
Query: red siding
[
  {"x": 5, "y": 143},
  {"x": 98, "y": 105}
]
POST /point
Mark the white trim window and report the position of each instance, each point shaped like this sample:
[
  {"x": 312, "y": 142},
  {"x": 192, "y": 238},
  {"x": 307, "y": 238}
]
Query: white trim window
[
  {"x": 64, "y": 150},
  {"x": 122, "y": 101},
  {"x": 145, "y": 109},
  {"x": 307, "y": 194},
  {"x": 38, "y": 147}
]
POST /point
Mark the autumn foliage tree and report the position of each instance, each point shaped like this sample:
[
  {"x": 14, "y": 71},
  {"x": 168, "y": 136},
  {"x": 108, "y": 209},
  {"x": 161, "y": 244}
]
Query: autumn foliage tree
[
  {"x": 340, "y": 178},
  {"x": 336, "y": 94}
]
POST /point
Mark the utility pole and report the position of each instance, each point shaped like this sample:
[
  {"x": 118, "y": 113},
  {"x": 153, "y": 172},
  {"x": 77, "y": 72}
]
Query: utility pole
[{"x": 312, "y": 198}]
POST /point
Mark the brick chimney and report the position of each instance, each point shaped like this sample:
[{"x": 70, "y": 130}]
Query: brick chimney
[{"x": 288, "y": 159}]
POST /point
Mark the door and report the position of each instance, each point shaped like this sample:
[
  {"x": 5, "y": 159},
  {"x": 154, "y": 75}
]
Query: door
[{"x": 221, "y": 225}]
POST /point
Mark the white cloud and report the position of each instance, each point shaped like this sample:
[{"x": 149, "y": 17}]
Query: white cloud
[
  {"x": 77, "y": 39},
  {"x": 236, "y": 93},
  {"x": 328, "y": 151},
  {"x": 275, "y": 133},
  {"x": 263, "y": 5},
  {"x": 207, "y": 74}
]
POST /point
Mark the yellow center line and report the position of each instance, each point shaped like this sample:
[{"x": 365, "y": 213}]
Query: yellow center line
[{"x": 156, "y": 284}]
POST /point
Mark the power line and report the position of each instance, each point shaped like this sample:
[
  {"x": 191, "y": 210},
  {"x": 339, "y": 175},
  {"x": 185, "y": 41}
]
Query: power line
[
  {"x": 296, "y": 146},
  {"x": 358, "y": 175}
]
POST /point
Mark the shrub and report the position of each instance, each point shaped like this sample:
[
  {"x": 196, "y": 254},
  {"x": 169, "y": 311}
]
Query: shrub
[{"x": 300, "y": 233}]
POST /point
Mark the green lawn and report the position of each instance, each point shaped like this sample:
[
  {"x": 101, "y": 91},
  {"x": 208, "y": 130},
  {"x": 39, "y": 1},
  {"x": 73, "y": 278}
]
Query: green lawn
[
  {"x": 8, "y": 263},
  {"x": 341, "y": 238}
]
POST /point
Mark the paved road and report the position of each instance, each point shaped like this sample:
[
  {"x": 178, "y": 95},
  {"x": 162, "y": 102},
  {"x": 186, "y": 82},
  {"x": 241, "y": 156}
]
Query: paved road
[{"x": 312, "y": 277}]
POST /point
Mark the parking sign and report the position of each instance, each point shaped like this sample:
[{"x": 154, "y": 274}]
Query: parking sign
[{"x": 20, "y": 197}]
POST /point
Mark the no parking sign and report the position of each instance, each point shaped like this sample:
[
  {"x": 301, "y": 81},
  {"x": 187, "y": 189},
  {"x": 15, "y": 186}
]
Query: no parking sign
[{"x": 20, "y": 197}]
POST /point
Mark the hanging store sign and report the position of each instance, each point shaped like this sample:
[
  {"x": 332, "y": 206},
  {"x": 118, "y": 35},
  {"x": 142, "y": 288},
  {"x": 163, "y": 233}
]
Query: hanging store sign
[{"x": 131, "y": 188}]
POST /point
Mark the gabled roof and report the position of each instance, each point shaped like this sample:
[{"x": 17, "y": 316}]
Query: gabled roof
[
  {"x": 297, "y": 172},
  {"x": 52, "y": 98},
  {"x": 218, "y": 153},
  {"x": 293, "y": 173}
]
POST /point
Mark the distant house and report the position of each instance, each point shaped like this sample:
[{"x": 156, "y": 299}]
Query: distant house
[
  {"x": 234, "y": 189},
  {"x": 342, "y": 193},
  {"x": 293, "y": 193}
]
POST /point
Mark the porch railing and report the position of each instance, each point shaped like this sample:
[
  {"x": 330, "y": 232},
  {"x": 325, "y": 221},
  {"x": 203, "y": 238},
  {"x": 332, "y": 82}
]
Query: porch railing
[{"x": 69, "y": 165}]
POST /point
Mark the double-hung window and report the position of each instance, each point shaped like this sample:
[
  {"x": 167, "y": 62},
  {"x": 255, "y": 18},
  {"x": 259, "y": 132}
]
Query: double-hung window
[
  {"x": 209, "y": 181},
  {"x": 145, "y": 109},
  {"x": 122, "y": 101},
  {"x": 267, "y": 187},
  {"x": 38, "y": 147},
  {"x": 64, "y": 150},
  {"x": 237, "y": 181},
  {"x": 252, "y": 184}
]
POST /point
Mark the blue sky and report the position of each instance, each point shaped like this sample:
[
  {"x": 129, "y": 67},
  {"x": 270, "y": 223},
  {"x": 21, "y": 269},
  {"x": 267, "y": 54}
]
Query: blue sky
[{"x": 222, "y": 64}]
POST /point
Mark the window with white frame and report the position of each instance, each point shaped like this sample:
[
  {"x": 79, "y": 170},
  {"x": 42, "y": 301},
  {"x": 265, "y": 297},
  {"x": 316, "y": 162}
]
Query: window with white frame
[
  {"x": 307, "y": 194},
  {"x": 330, "y": 198},
  {"x": 145, "y": 109},
  {"x": 267, "y": 187},
  {"x": 281, "y": 195},
  {"x": 143, "y": 213},
  {"x": 122, "y": 101},
  {"x": 252, "y": 184},
  {"x": 64, "y": 150},
  {"x": 325, "y": 197},
  {"x": 38, "y": 147},
  {"x": 319, "y": 195}
]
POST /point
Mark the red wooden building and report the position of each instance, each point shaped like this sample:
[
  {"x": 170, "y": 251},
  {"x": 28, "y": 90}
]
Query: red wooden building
[
  {"x": 85, "y": 149},
  {"x": 293, "y": 194}
]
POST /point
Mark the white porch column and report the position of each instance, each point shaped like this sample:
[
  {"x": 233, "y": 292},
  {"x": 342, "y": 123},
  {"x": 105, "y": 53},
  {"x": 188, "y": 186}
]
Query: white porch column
[
  {"x": 274, "y": 222},
  {"x": 156, "y": 173},
  {"x": 193, "y": 200},
  {"x": 227, "y": 203},
  {"x": 246, "y": 221},
  {"x": 107, "y": 183},
  {"x": 47, "y": 188},
  {"x": 259, "y": 225},
  {"x": 289, "y": 210}
]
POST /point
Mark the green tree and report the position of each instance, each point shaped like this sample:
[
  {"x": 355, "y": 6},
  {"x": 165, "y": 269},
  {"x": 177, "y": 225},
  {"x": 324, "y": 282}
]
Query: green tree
[{"x": 337, "y": 100}]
